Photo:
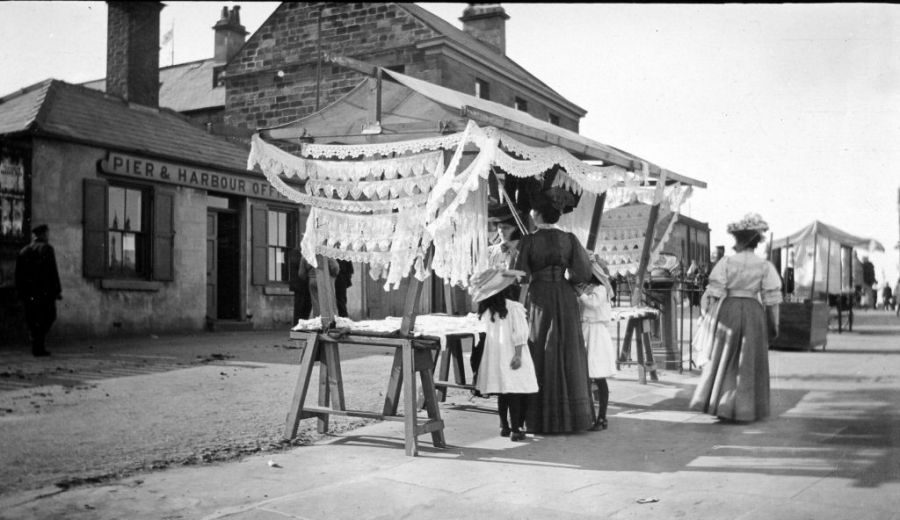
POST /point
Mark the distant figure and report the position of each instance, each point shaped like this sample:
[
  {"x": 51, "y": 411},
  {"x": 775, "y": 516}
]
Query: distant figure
[
  {"x": 897, "y": 295},
  {"x": 299, "y": 285},
  {"x": 743, "y": 295},
  {"x": 37, "y": 283},
  {"x": 720, "y": 254},
  {"x": 308, "y": 273},
  {"x": 869, "y": 281},
  {"x": 343, "y": 281},
  {"x": 887, "y": 297}
]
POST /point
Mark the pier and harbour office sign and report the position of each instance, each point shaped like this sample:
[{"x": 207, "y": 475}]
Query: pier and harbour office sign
[{"x": 171, "y": 173}]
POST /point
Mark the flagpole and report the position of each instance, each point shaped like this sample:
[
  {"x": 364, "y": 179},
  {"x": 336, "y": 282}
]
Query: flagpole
[{"x": 172, "y": 59}]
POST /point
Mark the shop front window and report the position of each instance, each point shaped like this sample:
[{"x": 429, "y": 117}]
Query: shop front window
[
  {"x": 126, "y": 232},
  {"x": 12, "y": 197},
  {"x": 282, "y": 227}
]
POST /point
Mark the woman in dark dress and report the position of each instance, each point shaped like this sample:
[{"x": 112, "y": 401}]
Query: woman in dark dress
[{"x": 563, "y": 402}]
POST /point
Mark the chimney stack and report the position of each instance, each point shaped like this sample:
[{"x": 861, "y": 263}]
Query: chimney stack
[
  {"x": 230, "y": 35},
  {"x": 132, "y": 51},
  {"x": 487, "y": 23}
]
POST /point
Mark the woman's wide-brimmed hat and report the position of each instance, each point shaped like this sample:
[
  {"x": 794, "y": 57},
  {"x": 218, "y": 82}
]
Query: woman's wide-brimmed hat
[
  {"x": 501, "y": 214},
  {"x": 491, "y": 281},
  {"x": 750, "y": 222}
]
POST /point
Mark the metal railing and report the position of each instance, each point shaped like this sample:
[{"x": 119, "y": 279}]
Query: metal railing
[{"x": 671, "y": 331}]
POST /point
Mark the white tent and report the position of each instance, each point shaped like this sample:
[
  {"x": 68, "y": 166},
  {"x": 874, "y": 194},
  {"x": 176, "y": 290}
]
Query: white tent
[{"x": 822, "y": 256}]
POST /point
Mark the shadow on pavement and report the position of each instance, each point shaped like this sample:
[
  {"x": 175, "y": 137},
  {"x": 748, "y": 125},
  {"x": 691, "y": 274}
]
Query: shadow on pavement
[{"x": 840, "y": 434}]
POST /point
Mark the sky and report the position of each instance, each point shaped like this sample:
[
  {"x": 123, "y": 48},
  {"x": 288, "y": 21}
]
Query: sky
[{"x": 788, "y": 110}]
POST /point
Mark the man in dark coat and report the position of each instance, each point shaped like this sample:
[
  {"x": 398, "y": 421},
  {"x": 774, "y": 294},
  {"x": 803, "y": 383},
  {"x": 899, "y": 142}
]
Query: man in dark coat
[
  {"x": 37, "y": 284},
  {"x": 299, "y": 285},
  {"x": 343, "y": 280}
]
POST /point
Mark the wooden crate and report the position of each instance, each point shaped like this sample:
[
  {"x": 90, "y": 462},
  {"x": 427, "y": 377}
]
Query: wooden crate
[{"x": 804, "y": 325}]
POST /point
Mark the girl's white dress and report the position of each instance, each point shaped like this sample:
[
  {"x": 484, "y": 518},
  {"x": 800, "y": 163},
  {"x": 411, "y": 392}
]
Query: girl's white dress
[
  {"x": 501, "y": 337},
  {"x": 596, "y": 313}
]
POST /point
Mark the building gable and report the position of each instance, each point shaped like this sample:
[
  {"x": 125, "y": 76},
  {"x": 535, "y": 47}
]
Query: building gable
[{"x": 273, "y": 78}]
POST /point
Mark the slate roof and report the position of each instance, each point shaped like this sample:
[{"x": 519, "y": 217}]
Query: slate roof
[
  {"x": 183, "y": 87},
  {"x": 79, "y": 114}
]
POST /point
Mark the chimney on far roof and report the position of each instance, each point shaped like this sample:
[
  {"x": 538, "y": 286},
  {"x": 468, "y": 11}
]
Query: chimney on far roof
[
  {"x": 230, "y": 34},
  {"x": 487, "y": 23},
  {"x": 132, "y": 51}
]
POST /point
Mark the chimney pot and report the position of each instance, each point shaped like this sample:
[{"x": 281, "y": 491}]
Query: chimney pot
[
  {"x": 487, "y": 23},
  {"x": 230, "y": 34}
]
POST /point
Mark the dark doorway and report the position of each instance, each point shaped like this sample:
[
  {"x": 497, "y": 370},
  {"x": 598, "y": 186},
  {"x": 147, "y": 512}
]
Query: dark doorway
[{"x": 228, "y": 275}]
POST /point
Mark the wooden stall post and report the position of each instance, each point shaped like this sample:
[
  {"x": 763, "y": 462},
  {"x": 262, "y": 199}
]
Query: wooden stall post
[
  {"x": 596, "y": 217},
  {"x": 647, "y": 363}
]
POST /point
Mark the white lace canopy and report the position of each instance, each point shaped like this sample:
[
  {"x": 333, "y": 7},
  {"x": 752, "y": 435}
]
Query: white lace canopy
[{"x": 384, "y": 204}]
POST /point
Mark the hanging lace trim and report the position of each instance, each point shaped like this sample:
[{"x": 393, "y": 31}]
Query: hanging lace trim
[
  {"x": 389, "y": 242},
  {"x": 595, "y": 179},
  {"x": 671, "y": 198},
  {"x": 433, "y": 205},
  {"x": 462, "y": 249},
  {"x": 344, "y": 151},
  {"x": 270, "y": 157},
  {"x": 373, "y": 190},
  {"x": 620, "y": 239},
  {"x": 355, "y": 206}
]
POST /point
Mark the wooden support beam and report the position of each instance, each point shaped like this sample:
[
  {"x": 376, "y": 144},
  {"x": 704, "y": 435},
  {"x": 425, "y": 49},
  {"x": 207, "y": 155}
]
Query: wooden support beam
[
  {"x": 413, "y": 293},
  {"x": 352, "y": 64},
  {"x": 410, "y": 405},
  {"x": 652, "y": 219},
  {"x": 325, "y": 285},
  {"x": 308, "y": 355},
  {"x": 595, "y": 221}
]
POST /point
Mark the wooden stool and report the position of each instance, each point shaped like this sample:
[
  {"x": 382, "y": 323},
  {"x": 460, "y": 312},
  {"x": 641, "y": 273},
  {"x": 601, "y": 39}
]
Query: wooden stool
[
  {"x": 635, "y": 328},
  {"x": 412, "y": 355}
]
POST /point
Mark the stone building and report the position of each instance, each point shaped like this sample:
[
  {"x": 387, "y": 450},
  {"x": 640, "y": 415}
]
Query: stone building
[
  {"x": 282, "y": 72},
  {"x": 157, "y": 224}
]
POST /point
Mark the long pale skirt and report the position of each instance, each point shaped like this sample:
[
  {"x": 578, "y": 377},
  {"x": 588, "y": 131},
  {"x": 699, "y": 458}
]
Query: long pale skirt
[{"x": 735, "y": 382}]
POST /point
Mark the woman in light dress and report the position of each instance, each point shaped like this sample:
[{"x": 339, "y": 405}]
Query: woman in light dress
[{"x": 744, "y": 292}]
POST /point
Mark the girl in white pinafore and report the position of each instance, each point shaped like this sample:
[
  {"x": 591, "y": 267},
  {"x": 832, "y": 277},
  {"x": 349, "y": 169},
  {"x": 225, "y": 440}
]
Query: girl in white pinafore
[
  {"x": 506, "y": 366},
  {"x": 596, "y": 313}
]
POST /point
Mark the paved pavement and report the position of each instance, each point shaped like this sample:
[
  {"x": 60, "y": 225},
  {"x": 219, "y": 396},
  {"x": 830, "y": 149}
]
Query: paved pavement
[{"x": 831, "y": 450}]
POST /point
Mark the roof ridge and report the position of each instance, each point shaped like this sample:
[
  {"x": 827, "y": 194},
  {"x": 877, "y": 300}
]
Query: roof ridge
[
  {"x": 479, "y": 46},
  {"x": 130, "y": 105},
  {"x": 39, "y": 102},
  {"x": 25, "y": 90}
]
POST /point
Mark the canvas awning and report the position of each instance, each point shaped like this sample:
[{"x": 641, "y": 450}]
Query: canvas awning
[
  {"x": 411, "y": 108},
  {"x": 828, "y": 232}
]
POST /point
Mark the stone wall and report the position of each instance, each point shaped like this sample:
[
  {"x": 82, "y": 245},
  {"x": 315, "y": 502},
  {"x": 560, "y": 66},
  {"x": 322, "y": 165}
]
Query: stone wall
[
  {"x": 86, "y": 309},
  {"x": 378, "y": 33}
]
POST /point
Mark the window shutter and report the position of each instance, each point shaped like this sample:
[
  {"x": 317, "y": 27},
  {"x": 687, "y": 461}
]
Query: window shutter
[
  {"x": 259, "y": 229},
  {"x": 93, "y": 253},
  {"x": 163, "y": 235}
]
